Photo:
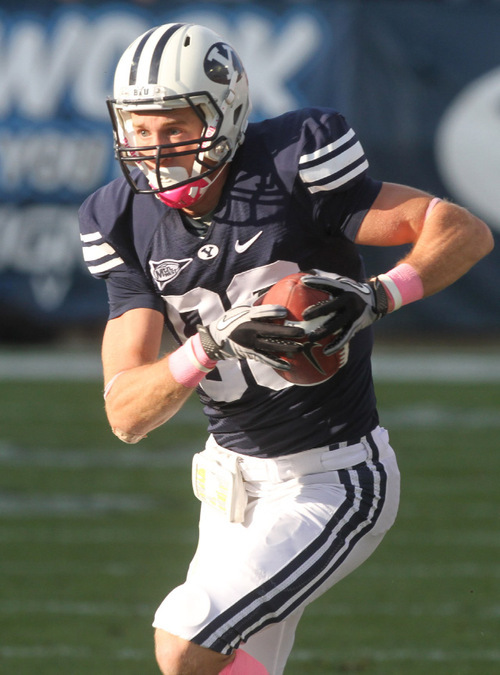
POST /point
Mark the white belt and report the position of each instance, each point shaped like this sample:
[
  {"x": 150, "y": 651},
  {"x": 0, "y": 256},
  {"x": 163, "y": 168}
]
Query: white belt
[{"x": 327, "y": 458}]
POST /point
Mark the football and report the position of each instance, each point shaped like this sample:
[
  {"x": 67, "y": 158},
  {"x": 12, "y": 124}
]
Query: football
[{"x": 309, "y": 366}]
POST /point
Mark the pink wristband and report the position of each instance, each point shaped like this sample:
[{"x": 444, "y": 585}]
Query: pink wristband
[
  {"x": 403, "y": 285},
  {"x": 189, "y": 364},
  {"x": 107, "y": 389},
  {"x": 431, "y": 206}
]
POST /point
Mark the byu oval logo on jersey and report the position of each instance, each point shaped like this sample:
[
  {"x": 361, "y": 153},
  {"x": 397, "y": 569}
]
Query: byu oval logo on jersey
[
  {"x": 221, "y": 62},
  {"x": 208, "y": 252}
]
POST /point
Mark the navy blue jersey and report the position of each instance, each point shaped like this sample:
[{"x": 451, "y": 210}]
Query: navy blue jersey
[{"x": 296, "y": 194}]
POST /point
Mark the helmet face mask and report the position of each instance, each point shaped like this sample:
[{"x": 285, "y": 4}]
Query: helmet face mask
[
  {"x": 159, "y": 73},
  {"x": 149, "y": 158}
]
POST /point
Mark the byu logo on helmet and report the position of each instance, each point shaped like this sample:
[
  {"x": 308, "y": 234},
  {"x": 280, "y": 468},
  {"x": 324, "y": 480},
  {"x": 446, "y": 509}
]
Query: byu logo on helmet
[{"x": 221, "y": 62}]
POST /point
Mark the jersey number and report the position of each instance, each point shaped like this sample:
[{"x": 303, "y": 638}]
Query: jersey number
[{"x": 244, "y": 286}]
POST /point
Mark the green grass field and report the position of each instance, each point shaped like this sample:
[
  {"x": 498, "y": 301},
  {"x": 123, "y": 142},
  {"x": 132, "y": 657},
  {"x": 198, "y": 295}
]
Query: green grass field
[{"x": 94, "y": 533}]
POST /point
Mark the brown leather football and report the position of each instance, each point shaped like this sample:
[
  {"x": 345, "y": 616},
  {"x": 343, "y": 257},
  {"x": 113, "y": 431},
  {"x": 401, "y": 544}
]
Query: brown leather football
[{"x": 309, "y": 366}]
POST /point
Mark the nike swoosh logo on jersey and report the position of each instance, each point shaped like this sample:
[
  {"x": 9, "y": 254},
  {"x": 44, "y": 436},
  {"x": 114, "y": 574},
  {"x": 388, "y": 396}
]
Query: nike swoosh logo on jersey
[
  {"x": 224, "y": 323},
  {"x": 241, "y": 248}
]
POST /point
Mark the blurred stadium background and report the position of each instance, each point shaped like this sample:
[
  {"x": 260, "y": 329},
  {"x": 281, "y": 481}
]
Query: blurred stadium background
[{"x": 94, "y": 533}]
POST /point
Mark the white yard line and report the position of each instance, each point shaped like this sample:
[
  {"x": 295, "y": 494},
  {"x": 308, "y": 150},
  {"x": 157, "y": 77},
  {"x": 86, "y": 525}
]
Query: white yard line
[
  {"x": 416, "y": 654},
  {"x": 409, "y": 654},
  {"x": 437, "y": 367},
  {"x": 388, "y": 365},
  {"x": 49, "y": 365}
]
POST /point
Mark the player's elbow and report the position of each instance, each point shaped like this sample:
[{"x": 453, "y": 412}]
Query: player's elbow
[
  {"x": 126, "y": 429},
  {"x": 488, "y": 240},
  {"x": 481, "y": 241},
  {"x": 127, "y": 436},
  {"x": 474, "y": 236}
]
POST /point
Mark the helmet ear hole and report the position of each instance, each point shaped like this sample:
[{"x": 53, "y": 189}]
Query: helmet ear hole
[{"x": 237, "y": 114}]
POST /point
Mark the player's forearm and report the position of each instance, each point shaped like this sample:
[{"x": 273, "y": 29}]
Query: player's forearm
[
  {"x": 450, "y": 243},
  {"x": 142, "y": 399}
]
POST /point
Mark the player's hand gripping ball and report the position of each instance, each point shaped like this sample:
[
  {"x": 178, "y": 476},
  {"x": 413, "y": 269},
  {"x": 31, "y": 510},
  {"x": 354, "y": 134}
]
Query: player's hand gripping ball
[{"x": 310, "y": 365}]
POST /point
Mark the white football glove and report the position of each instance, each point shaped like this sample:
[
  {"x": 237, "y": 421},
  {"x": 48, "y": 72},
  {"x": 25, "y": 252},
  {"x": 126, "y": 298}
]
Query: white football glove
[
  {"x": 243, "y": 333},
  {"x": 355, "y": 305}
]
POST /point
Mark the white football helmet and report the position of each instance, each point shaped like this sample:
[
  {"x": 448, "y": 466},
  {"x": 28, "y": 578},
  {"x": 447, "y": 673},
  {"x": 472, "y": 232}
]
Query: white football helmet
[{"x": 178, "y": 66}]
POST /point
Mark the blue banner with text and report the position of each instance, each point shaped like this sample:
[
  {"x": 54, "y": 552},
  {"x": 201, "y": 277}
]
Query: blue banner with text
[{"x": 419, "y": 81}]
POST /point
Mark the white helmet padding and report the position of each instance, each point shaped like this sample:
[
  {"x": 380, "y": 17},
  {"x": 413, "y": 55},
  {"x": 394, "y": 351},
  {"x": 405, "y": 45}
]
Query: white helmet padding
[{"x": 178, "y": 66}]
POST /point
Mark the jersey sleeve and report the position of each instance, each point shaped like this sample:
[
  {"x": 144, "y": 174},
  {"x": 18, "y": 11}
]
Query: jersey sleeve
[
  {"x": 110, "y": 256},
  {"x": 127, "y": 290},
  {"x": 333, "y": 169}
]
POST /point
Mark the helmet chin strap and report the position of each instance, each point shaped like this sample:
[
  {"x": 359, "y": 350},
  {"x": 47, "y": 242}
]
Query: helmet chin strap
[{"x": 185, "y": 196}]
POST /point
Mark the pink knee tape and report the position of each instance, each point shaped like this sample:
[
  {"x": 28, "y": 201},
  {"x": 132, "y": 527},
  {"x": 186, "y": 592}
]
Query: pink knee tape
[{"x": 244, "y": 664}]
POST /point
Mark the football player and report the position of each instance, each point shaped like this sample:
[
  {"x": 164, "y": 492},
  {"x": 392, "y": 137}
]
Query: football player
[{"x": 298, "y": 485}]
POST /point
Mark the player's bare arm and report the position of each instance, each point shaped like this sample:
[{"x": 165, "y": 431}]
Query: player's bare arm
[
  {"x": 143, "y": 394},
  {"x": 446, "y": 241}
]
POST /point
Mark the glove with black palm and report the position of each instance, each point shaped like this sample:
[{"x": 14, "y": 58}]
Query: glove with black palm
[
  {"x": 249, "y": 332},
  {"x": 355, "y": 305}
]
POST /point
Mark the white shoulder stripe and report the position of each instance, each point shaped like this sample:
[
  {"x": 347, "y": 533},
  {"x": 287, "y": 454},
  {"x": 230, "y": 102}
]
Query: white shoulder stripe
[
  {"x": 333, "y": 165},
  {"x": 91, "y": 253},
  {"x": 102, "y": 253},
  {"x": 93, "y": 236},
  {"x": 345, "y": 178},
  {"x": 104, "y": 267},
  {"x": 317, "y": 154}
]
